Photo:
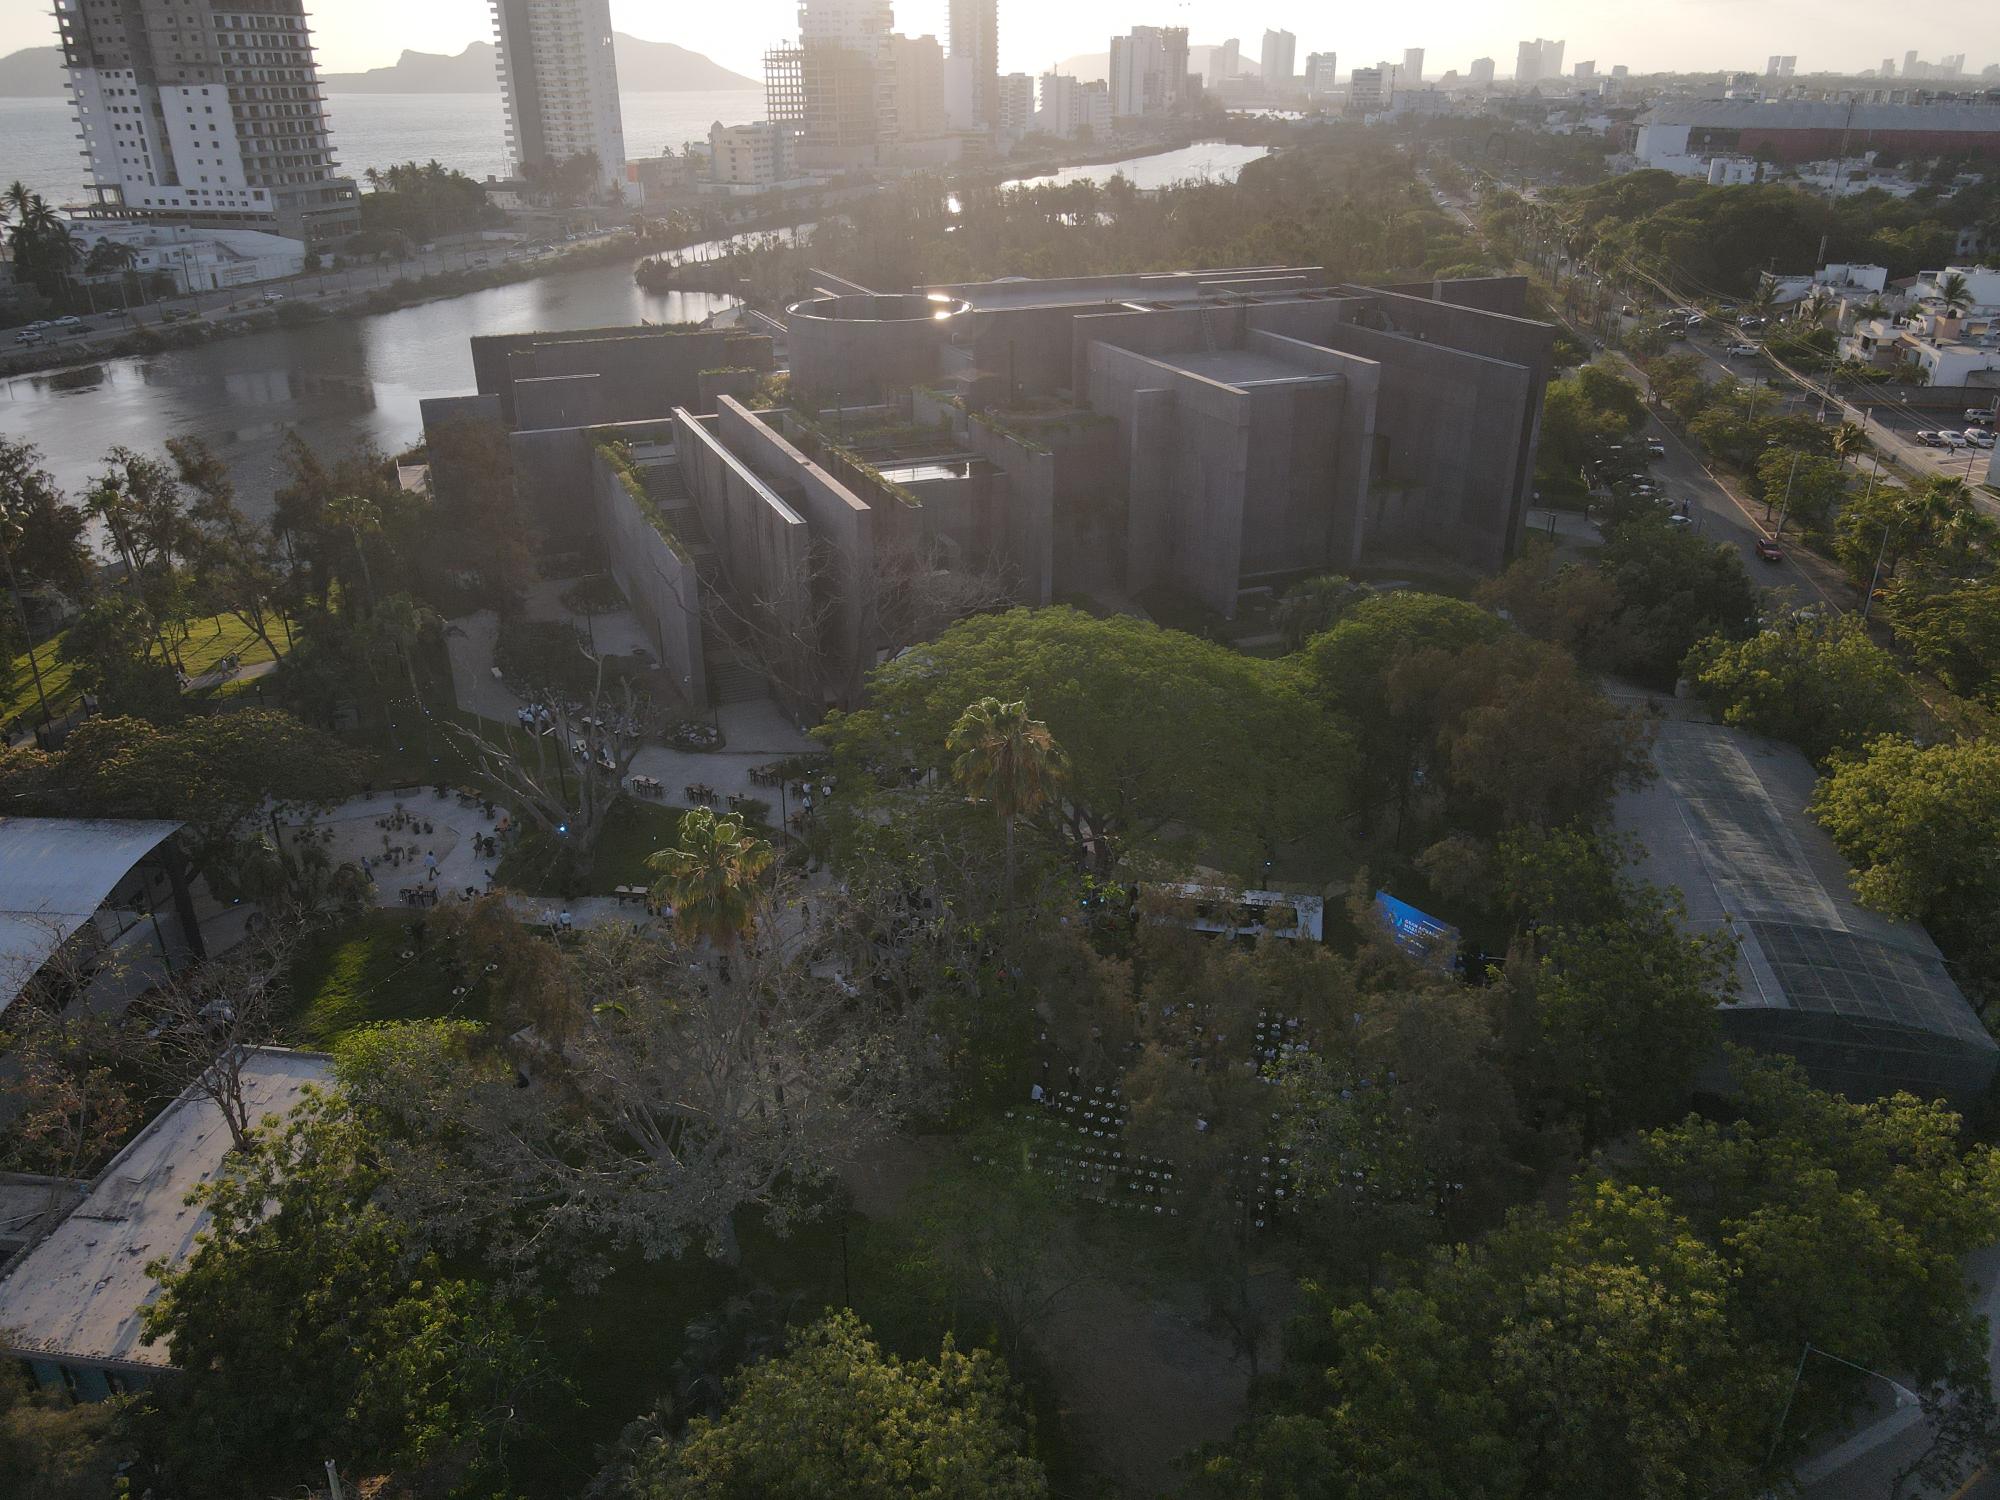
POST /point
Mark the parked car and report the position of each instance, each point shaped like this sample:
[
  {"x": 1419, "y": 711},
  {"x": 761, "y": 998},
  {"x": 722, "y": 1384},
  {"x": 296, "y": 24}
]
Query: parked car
[
  {"x": 1695, "y": 320},
  {"x": 1981, "y": 414},
  {"x": 69, "y": 320},
  {"x": 27, "y": 336},
  {"x": 1769, "y": 550},
  {"x": 274, "y": 297},
  {"x": 1952, "y": 439},
  {"x": 1739, "y": 348},
  {"x": 1928, "y": 438},
  {"x": 1978, "y": 437}
]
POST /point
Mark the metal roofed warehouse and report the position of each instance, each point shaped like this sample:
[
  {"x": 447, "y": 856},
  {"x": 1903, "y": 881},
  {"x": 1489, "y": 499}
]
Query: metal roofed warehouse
[
  {"x": 54, "y": 875},
  {"x": 1863, "y": 1001}
]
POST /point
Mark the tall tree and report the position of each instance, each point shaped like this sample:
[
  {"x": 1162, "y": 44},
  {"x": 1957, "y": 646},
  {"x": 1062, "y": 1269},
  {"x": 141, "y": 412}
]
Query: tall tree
[
  {"x": 305, "y": 1328},
  {"x": 1004, "y": 757},
  {"x": 836, "y": 1416},
  {"x": 709, "y": 877}
]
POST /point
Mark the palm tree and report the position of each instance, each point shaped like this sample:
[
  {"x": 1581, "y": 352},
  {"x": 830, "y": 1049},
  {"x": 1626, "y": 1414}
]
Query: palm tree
[
  {"x": 1954, "y": 294},
  {"x": 1850, "y": 440},
  {"x": 710, "y": 876},
  {"x": 1008, "y": 759}
]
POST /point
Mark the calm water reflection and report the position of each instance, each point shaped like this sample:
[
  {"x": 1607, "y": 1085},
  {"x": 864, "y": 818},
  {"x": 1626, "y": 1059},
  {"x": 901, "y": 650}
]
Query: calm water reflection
[{"x": 335, "y": 383}]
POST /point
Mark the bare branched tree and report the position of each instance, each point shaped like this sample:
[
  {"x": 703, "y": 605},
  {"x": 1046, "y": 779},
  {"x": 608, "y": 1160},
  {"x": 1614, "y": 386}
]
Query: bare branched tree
[
  {"x": 209, "y": 1017},
  {"x": 567, "y": 771},
  {"x": 682, "y": 1093}
]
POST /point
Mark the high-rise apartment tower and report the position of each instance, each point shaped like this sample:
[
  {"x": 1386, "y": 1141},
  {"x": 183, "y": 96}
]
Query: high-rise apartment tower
[
  {"x": 205, "y": 112},
  {"x": 560, "y": 78},
  {"x": 975, "y": 46}
]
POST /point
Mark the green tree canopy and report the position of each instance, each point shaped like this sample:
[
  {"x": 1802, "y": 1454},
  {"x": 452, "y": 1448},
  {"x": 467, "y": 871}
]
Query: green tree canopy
[
  {"x": 305, "y": 1328},
  {"x": 1821, "y": 685},
  {"x": 1921, "y": 825},
  {"x": 837, "y": 1416},
  {"x": 1170, "y": 738},
  {"x": 1674, "y": 588}
]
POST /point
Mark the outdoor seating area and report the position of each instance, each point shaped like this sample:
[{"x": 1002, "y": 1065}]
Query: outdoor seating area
[{"x": 648, "y": 787}]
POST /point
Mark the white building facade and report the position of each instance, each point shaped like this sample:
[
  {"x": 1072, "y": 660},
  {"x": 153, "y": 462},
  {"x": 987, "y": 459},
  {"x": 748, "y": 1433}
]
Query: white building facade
[
  {"x": 205, "y": 112},
  {"x": 559, "y": 76}
]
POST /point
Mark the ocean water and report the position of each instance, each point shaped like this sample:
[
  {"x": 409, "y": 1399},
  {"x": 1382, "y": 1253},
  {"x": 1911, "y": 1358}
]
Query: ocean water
[{"x": 38, "y": 143}]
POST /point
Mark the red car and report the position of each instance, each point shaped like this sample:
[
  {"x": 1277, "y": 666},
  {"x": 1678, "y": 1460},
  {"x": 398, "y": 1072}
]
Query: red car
[{"x": 1769, "y": 550}]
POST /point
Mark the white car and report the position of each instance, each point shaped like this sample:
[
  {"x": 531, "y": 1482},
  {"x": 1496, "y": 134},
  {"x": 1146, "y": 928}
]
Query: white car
[
  {"x": 27, "y": 336},
  {"x": 1740, "y": 349},
  {"x": 1981, "y": 414},
  {"x": 1952, "y": 440},
  {"x": 1979, "y": 437},
  {"x": 41, "y": 326},
  {"x": 70, "y": 320}
]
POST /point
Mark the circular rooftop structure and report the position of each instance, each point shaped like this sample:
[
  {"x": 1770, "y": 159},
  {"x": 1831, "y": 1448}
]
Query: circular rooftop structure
[
  {"x": 881, "y": 307},
  {"x": 862, "y": 346}
]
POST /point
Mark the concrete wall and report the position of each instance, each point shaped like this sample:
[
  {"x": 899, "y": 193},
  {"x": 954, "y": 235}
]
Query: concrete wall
[
  {"x": 1495, "y": 294},
  {"x": 860, "y": 360},
  {"x": 564, "y": 401},
  {"x": 551, "y": 477},
  {"x": 842, "y": 530},
  {"x": 660, "y": 583},
  {"x": 1189, "y": 446},
  {"x": 1448, "y": 429},
  {"x": 1330, "y": 477},
  {"x": 1034, "y": 487},
  {"x": 647, "y": 372}
]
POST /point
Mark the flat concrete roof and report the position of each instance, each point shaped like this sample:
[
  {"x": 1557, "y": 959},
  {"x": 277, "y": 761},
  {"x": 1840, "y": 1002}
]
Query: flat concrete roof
[
  {"x": 1236, "y": 366},
  {"x": 54, "y": 874},
  {"x": 1163, "y": 286},
  {"x": 79, "y": 1294},
  {"x": 1726, "y": 824}
]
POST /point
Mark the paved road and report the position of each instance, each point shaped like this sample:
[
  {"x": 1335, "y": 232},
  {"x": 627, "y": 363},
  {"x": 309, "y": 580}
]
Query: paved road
[{"x": 1864, "y": 1466}]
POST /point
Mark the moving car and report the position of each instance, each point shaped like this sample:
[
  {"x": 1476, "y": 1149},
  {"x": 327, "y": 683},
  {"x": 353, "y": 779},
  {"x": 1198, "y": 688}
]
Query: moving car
[
  {"x": 1742, "y": 348},
  {"x": 1655, "y": 448},
  {"x": 69, "y": 320},
  {"x": 1769, "y": 550},
  {"x": 27, "y": 336}
]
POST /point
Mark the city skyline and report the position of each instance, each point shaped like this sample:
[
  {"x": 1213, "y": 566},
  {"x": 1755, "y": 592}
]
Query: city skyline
[{"x": 1690, "y": 35}]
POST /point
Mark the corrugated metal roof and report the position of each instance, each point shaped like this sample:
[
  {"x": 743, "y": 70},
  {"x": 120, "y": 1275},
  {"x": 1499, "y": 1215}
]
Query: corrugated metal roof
[
  {"x": 54, "y": 874},
  {"x": 1822, "y": 114},
  {"x": 80, "y": 1294}
]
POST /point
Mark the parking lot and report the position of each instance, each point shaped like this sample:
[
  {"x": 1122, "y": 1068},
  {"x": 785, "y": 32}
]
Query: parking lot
[{"x": 1895, "y": 430}]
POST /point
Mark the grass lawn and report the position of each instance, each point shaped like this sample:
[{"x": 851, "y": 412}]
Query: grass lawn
[
  {"x": 207, "y": 642},
  {"x": 357, "y": 975}
]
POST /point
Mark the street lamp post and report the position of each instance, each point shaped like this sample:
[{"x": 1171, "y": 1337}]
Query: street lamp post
[{"x": 1904, "y": 1395}]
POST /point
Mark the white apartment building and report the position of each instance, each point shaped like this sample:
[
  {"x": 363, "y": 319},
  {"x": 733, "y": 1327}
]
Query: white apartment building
[
  {"x": 758, "y": 155},
  {"x": 847, "y": 80},
  {"x": 1148, "y": 70},
  {"x": 918, "y": 62},
  {"x": 1017, "y": 104},
  {"x": 1280, "y": 59},
  {"x": 1322, "y": 74},
  {"x": 204, "y": 112},
  {"x": 1070, "y": 106},
  {"x": 975, "y": 47},
  {"x": 559, "y": 76}
]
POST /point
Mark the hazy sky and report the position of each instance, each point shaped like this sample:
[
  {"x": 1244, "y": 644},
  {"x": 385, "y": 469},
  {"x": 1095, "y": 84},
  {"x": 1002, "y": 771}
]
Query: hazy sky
[{"x": 1689, "y": 34}]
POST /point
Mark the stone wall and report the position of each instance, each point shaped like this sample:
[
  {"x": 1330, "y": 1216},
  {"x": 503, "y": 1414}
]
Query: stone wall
[{"x": 657, "y": 576}]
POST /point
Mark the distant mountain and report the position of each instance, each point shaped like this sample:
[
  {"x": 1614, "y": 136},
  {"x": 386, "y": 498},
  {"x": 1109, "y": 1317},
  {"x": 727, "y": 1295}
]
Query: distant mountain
[
  {"x": 32, "y": 73},
  {"x": 643, "y": 68}
]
